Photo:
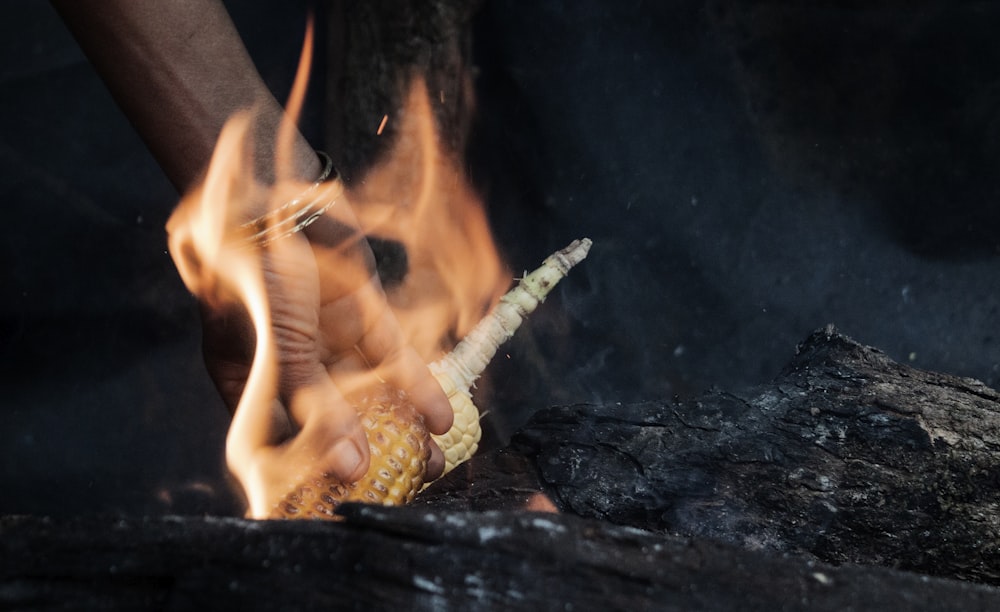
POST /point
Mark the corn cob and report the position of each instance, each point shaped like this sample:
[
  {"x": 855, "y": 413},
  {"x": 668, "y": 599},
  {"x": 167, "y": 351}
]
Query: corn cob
[
  {"x": 400, "y": 448},
  {"x": 398, "y": 440}
]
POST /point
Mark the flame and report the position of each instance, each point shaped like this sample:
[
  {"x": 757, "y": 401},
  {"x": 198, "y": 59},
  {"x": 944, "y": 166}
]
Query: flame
[
  {"x": 417, "y": 195},
  {"x": 221, "y": 274}
]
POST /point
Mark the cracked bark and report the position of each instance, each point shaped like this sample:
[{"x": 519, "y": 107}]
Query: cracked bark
[
  {"x": 427, "y": 559},
  {"x": 847, "y": 457}
]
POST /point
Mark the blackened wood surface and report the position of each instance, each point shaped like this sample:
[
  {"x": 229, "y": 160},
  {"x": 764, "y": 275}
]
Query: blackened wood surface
[
  {"x": 846, "y": 456},
  {"x": 421, "y": 559},
  {"x": 787, "y": 497}
]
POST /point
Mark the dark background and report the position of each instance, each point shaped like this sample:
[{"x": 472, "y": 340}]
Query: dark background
[{"x": 747, "y": 175}]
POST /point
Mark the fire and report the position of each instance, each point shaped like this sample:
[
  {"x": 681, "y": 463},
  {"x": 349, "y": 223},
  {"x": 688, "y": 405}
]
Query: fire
[
  {"x": 417, "y": 196},
  {"x": 221, "y": 274}
]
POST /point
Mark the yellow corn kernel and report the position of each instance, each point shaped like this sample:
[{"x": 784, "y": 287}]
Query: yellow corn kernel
[{"x": 400, "y": 448}]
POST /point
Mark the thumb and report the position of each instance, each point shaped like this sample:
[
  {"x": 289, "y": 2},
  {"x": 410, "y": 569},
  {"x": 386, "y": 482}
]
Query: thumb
[{"x": 332, "y": 439}]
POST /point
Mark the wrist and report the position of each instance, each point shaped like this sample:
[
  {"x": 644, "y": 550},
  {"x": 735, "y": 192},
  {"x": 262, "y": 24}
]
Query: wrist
[{"x": 292, "y": 206}]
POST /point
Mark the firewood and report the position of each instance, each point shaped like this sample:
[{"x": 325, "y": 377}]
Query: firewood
[
  {"x": 847, "y": 456},
  {"x": 425, "y": 559}
]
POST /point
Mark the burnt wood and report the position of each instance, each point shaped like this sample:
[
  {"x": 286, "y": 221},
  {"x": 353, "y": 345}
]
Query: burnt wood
[
  {"x": 847, "y": 456},
  {"x": 422, "y": 559},
  {"x": 811, "y": 492}
]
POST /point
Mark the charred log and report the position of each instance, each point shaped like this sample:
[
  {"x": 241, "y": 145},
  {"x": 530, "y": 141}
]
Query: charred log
[
  {"x": 420, "y": 559},
  {"x": 789, "y": 496},
  {"x": 847, "y": 456}
]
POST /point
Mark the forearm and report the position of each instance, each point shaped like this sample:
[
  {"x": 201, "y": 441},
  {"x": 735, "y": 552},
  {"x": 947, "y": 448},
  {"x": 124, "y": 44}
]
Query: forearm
[{"x": 179, "y": 70}]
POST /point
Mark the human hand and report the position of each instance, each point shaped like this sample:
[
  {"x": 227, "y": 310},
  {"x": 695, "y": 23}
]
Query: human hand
[
  {"x": 328, "y": 314},
  {"x": 333, "y": 330}
]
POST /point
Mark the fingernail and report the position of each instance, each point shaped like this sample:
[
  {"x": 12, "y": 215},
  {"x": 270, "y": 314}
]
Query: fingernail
[{"x": 349, "y": 457}]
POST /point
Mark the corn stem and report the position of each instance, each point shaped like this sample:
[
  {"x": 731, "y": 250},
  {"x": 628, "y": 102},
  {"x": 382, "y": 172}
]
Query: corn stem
[{"x": 458, "y": 370}]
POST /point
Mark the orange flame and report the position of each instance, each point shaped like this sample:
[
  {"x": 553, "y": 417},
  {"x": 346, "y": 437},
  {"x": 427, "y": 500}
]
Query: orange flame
[
  {"x": 219, "y": 274},
  {"x": 417, "y": 195}
]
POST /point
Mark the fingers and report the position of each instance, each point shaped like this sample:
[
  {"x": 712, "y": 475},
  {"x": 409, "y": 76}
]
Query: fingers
[
  {"x": 405, "y": 369},
  {"x": 321, "y": 431},
  {"x": 356, "y": 322},
  {"x": 341, "y": 329},
  {"x": 372, "y": 339},
  {"x": 331, "y": 444},
  {"x": 332, "y": 439},
  {"x": 435, "y": 465},
  {"x": 292, "y": 284}
]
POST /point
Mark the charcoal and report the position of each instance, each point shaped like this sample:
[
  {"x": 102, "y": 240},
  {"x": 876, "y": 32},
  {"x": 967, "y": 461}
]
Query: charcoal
[{"x": 422, "y": 559}]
